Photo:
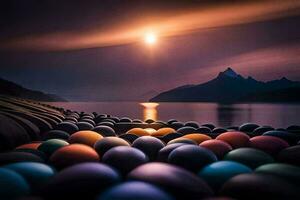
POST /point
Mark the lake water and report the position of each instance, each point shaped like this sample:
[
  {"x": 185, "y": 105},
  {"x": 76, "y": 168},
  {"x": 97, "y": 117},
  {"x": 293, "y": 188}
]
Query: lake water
[{"x": 277, "y": 115}]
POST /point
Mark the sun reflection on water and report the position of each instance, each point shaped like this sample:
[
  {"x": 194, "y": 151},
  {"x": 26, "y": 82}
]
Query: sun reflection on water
[{"x": 150, "y": 111}]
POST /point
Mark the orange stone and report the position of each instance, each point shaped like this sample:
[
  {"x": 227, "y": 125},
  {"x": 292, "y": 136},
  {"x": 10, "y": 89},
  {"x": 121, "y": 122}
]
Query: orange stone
[
  {"x": 163, "y": 131},
  {"x": 236, "y": 139},
  {"x": 73, "y": 154},
  {"x": 138, "y": 132},
  {"x": 33, "y": 145},
  {"x": 198, "y": 138},
  {"x": 85, "y": 137}
]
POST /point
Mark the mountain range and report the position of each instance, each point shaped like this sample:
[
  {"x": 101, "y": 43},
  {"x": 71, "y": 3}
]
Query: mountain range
[
  {"x": 231, "y": 87},
  {"x": 9, "y": 88}
]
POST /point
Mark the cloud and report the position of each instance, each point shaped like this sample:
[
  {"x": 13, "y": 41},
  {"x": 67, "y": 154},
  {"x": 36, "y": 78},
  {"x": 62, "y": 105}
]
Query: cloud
[{"x": 165, "y": 25}]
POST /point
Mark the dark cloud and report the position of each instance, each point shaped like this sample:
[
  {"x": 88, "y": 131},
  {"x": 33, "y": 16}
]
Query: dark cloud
[
  {"x": 69, "y": 25},
  {"x": 54, "y": 15}
]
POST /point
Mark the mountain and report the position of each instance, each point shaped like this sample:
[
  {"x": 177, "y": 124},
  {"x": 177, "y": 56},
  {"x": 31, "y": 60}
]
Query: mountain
[
  {"x": 9, "y": 88},
  {"x": 228, "y": 87}
]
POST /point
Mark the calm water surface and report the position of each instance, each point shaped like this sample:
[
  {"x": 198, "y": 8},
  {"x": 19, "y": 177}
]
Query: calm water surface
[{"x": 277, "y": 115}]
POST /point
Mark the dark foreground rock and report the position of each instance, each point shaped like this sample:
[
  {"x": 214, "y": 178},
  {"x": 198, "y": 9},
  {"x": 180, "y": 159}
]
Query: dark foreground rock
[{"x": 51, "y": 153}]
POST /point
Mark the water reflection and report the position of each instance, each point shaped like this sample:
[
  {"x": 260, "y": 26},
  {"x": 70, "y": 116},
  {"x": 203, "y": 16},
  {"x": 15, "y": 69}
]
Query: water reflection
[
  {"x": 228, "y": 114},
  {"x": 277, "y": 115},
  {"x": 225, "y": 114},
  {"x": 150, "y": 111}
]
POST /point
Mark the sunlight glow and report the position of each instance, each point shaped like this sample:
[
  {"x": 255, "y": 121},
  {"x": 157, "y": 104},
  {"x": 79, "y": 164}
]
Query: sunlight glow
[
  {"x": 150, "y": 38},
  {"x": 174, "y": 23},
  {"x": 150, "y": 111},
  {"x": 150, "y": 130}
]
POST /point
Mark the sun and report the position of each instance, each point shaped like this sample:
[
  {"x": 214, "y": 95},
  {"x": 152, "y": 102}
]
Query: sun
[{"x": 150, "y": 38}]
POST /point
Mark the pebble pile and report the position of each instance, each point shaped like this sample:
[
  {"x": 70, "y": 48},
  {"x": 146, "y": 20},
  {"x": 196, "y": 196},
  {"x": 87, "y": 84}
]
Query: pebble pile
[{"x": 53, "y": 153}]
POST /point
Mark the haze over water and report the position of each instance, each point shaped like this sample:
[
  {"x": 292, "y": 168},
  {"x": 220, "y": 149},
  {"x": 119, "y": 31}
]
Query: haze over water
[{"x": 276, "y": 115}]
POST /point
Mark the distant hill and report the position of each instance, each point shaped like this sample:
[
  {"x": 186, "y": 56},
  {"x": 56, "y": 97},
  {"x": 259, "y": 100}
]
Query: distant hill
[
  {"x": 12, "y": 89},
  {"x": 230, "y": 87}
]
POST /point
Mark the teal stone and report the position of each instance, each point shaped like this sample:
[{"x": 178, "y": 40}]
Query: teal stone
[
  {"x": 36, "y": 174},
  {"x": 50, "y": 146},
  {"x": 250, "y": 157},
  {"x": 288, "y": 172},
  {"x": 12, "y": 185},
  {"x": 216, "y": 174}
]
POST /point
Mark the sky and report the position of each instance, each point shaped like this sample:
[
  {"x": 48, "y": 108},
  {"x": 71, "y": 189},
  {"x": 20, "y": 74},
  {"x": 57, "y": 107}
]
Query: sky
[{"x": 95, "y": 50}]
